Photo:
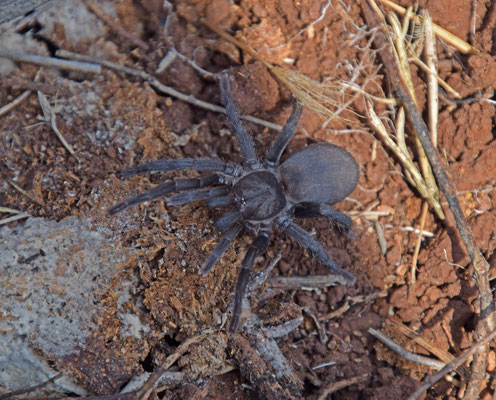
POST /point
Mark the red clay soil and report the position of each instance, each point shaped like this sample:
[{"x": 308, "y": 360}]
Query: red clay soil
[{"x": 119, "y": 121}]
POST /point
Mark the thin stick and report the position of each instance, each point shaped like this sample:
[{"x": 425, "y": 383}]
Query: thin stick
[
  {"x": 146, "y": 389},
  {"x": 51, "y": 62},
  {"x": 413, "y": 269},
  {"x": 351, "y": 301},
  {"x": 18, "y": 100},
  {"x": 443, "y": 355},
  {"x": 18, "y": 392},
  {"x": 432, "y": 379},
  {"x": 10, "y": 210},
  {"x": 407, "y": 355},
  {"x": 23, "y": 192},
  {"x": 335, "y": 386},
  {"x": 440, "y": 81},
  {"x": 49, "y": 115},
  {"x": 14, "y": 218},
  {"x": 165, "y": 89},
  {"x": 309, "y": 282}
]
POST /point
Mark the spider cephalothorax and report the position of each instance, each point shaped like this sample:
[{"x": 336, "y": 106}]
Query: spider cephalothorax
[{"x": 261, "y": 194}]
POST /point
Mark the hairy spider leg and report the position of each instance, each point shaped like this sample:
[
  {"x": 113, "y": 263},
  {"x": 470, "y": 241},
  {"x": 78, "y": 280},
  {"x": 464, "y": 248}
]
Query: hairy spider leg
[
  {"x": 247, "y": 148},
  {"x": 259, "y": 244},
  {"x": 196, "y": 195},
  {"x": 221, "y": 248},
  {"x": 228, "y": 219},
  {"x": 285, "y": 136},
  {"x": 197, "y": 164},
  {"x": 164, "y": 189},
  {"x": 310, "y": 210},
  {"x": 221, "y": 201},
  {"x": 303, "y": 238}
]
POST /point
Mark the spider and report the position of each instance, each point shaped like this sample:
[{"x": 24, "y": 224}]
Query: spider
[{"x": 262, "y": 194}]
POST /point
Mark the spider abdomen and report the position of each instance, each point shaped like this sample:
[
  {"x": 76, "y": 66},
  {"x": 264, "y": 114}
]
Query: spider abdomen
[
  {"x": 320, "y": 173},
  {"x": 260, "y": 196}
]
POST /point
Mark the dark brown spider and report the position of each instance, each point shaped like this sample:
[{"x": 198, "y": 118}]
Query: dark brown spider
[{"x": 262, "y": 194}]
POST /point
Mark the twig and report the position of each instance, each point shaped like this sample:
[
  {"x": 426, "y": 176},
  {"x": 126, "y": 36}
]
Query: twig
[
  {"x": 351, "y": 301},
  {"x": 23, "y": 192},
  {"x": 320, "y": 329},
  {"x": 9, "y": 395},
  {"x": 10, "y": 210},
  {"x": 432, "y": 379},
  {"x": 310, "y": 282},
  {"x": 146, "y": 389},
  {"x": 283, "y": 329},
  {"x": 173, "y": 53},
  {"x": 115, "y": 26},
  {"x": 163, "y": 88},
  {"x": 18, "y": 100},
  {"x": 416, "y": 252},
  {"x": 407, "y": 355},
  {"x": 49, "y": 115},
  {"x": 481, "y": 266},
  {"x": 443, "y": 355},
  {"x": 13, "y": 218},
  {"x": 51, "y": 62},
  {"x": 335, "y": 386}
]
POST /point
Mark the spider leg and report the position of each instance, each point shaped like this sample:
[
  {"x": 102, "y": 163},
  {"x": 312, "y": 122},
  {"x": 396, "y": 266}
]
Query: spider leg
[
  {"x": 260, "y": 243},
  {"x": 285, "y": 136},
  {"x": 197, "y": 164},
  {"x": 196, "y": 195},
  {"x": 303, "y": 238},
  {"x": 221, "y": 201},
  {"x": 228, "y": 219},
  {"x": 310, "y": 210},
  {"x": 221, "y": 248},
  {"x": 245, "y": 141},
  {"x": 164, "y": 189}
]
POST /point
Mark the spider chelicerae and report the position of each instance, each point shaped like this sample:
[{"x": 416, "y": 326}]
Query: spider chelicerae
[{"x": 262, "y": 194}]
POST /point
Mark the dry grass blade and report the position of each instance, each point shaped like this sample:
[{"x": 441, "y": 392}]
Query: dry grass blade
[
  {"x": 24, "y": 193},
  {"x": 49, "y": 115},
  {"x": 412, "y": 173},
  {"x": 18, "y": 100},
  {"x": 323, "y": 98},
  {"x": 10, "y": 210},
  {"x": 442, "y": 33}
]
